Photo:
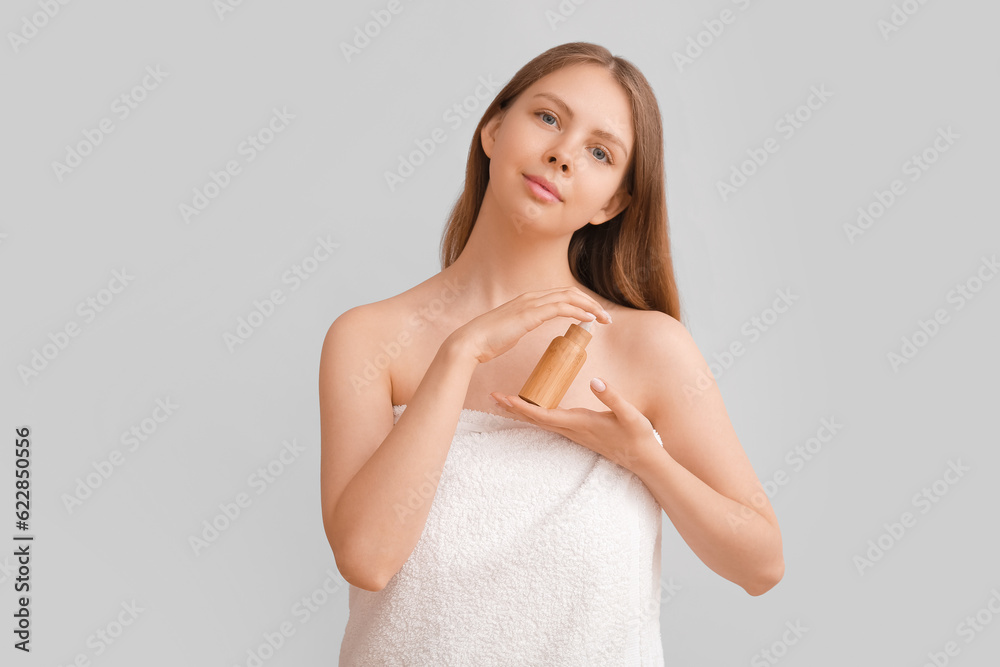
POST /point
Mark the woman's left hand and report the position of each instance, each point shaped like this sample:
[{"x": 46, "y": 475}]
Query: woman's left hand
[{"x": 622, "y": 434}]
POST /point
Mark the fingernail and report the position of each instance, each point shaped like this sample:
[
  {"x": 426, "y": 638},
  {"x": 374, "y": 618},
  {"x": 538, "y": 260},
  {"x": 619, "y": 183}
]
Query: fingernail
[
  {"x": 607, "y": 315},
  {"x": 597, "y": 384},
  {"x": 507, "y": 401}
]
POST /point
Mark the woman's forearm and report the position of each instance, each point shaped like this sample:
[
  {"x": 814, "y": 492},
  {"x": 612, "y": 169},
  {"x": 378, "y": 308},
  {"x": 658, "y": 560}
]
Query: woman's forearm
[
  {"x": 383, "y": 509},
  {"x": 731, "y": 538}
]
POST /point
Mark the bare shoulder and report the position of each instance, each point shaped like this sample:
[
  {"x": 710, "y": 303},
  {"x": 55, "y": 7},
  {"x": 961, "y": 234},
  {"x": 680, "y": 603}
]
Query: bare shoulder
[
  {"x": 347, "y": 342},
  {"x": 651, "y": 332},
  {"x": 371, "y": 322},
  {"x": 652, "y": 326},
  {"x": 350, "y": 331},
  {"x": 661, "y": 356},
  {"x": 354, "y": 340},
  {"x": 371, "y": 344},
  {"x": 669, "y": 340}
]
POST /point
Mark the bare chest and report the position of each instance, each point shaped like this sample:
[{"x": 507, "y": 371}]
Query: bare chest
[{"x": 508, "y": 372}]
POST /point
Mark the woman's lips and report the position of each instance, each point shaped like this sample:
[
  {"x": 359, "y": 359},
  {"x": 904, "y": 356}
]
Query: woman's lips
[{"x": 540, "y": 190}]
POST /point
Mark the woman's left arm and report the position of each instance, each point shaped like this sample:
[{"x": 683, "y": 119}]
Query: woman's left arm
[{"x": 701, "y": 476}]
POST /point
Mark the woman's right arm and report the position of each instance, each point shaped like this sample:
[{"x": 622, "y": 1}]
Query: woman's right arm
[{"x": 378, "y": 480}]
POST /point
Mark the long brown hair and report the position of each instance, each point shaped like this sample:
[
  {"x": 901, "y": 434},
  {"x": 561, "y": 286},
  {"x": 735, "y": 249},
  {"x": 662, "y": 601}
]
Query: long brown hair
[{"x": 626, "y": 259}]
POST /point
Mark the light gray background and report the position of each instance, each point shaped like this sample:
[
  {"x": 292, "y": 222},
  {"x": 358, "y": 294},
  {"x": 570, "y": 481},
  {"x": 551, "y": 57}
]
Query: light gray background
[{"x": 323, "y": 176}]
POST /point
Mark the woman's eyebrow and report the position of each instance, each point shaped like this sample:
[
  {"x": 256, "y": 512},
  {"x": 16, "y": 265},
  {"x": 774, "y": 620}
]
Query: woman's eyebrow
[{"x": 604, "y": 134}]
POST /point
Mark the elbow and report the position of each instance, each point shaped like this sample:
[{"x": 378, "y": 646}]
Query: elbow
[
  {"x": 767, "y": 575},
  {"x": 362, "y": 579},
  {"x": 358, "y": 572},
  {"x": 767, "y": 579},
  {"x": 355, "y": 568}
]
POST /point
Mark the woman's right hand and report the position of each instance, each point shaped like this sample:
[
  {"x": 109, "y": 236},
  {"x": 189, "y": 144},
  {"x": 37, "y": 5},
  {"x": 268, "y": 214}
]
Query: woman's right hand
[{"x": 494, "y": 332}]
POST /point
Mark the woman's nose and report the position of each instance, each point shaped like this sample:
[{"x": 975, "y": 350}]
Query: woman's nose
[{"x": 559, "y": 158}]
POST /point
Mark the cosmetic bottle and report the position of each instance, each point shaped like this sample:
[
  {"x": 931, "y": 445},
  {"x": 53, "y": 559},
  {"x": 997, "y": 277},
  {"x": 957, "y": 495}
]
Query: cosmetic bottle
[{"x": 558, "y": 367}]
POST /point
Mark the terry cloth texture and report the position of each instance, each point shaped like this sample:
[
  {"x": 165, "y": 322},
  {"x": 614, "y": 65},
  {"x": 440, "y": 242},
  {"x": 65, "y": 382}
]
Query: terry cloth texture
[{"x": 536, "y": 551}]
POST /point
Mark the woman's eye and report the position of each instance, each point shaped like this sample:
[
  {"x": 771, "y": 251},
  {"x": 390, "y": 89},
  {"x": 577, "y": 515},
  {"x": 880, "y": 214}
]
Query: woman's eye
[
  {"x": 601, "y": 154},
  {"x": 545, "y": 115}
]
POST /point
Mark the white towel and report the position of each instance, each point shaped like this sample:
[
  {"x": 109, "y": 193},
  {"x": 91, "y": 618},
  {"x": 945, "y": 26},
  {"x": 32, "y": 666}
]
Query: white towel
[{"x": 536, "y": 551}]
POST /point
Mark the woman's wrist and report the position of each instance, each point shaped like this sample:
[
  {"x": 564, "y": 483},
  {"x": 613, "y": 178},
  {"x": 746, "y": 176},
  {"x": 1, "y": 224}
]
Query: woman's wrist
[{"x": 456, "y": 349}]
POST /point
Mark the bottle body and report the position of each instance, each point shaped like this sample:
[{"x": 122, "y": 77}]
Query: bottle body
[{"x": 556, "y": 370}]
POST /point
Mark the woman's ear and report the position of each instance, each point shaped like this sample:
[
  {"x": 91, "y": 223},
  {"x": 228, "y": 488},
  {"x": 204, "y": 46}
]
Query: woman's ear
[
  {"x": 615, "y": 205},
  {"x": 489, "y": 133}
]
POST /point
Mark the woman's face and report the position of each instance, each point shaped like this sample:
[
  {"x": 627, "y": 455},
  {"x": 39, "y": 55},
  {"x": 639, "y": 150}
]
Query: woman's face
[{"x": 572, "y": 128}]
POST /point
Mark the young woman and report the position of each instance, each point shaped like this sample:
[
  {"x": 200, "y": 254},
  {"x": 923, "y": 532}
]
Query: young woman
[{"x": 475, "y": 526}]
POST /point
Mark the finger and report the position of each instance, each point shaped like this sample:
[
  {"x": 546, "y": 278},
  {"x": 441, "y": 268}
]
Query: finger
[
  {"x": 529, "y": 411},
  {"x": 611, "y": 397},
  {"x": 524, "y": 408},
  {"x": 559, "y": 420},
  {"x": 591, "y": 304},
  {"x": 573, "y": 303}
]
